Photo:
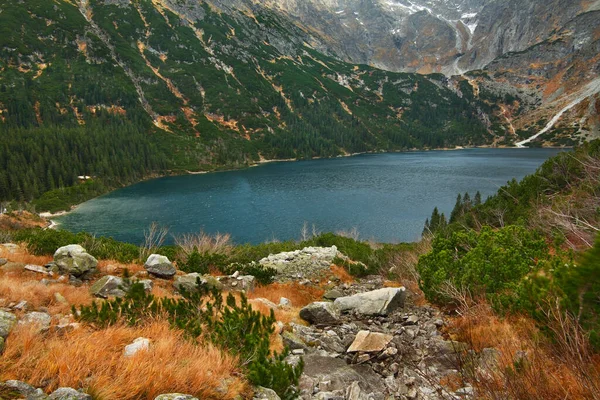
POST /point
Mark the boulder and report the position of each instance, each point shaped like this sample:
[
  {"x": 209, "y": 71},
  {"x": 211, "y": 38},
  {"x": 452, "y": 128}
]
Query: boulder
[
  {"x": 7, "y": 321},
  {"x": 320, "y": 313},
  {"x": 66, "y": 393},
  {"x": 261, "y": 393},
  {"x": 175, "y": 396},
  {"x": 22, "y": 388},
  {"x": 189, "y": 282},
  {"x": 75, "y": 261},
  {"x": 41, "y": 319},
  {"x": 160, "y": 266},
  {"x": 333, "y": 294},
  {"x": 377, "y": 302},
  {"x": 139, "y": 344},
  {"x": 369, "y": 342},
  {"x": 109, "y": 286}
]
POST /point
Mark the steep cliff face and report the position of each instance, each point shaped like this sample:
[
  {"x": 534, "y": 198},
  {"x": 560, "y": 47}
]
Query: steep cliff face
[{"x": 448, "y": 36}]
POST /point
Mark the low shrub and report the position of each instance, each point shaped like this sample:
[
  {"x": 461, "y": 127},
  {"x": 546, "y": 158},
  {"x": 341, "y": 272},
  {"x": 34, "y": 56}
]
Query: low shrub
[{"x": 235, "y": 327}]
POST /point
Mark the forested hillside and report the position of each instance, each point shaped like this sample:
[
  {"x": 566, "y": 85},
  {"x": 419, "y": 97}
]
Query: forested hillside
[{"x": 118, "y": 90}]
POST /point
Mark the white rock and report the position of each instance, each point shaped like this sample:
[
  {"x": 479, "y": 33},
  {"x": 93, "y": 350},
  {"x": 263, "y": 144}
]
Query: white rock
[{"x": 139, "y": 344}]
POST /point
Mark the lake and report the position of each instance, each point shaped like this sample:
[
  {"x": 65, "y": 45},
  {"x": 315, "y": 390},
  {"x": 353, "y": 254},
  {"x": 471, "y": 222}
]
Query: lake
[{"x": 386, "y": 197}]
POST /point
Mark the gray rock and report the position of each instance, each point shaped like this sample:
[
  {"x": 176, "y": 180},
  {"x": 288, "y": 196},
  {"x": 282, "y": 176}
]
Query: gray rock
[
  {"x": 7, "y": 321},
  {"x": 189, "y": 282},
  {"x": 465, "y": 391},
  {"x": 238, "y": 283},
  {"x": 22, "y": 388},
  {"x": 74, "y": 260},
  {"x": 139, "y": 344},
  {"x": 38, "y": 394},
  {"x": 109, "y": 286},
  {"x": 160, "y": 266},
  {"x": 308, "y": 262},
  {"x": 59, "y": 298},
  {"x": 320, "y": 313},
  {"x": 41, "y": 319},
  {"x": 67, "y": 393},
  {"x": 148, "y": 284},
  {"x": 293, "y": 341},
  {"x": 377, "y": 302},
  {"x": 175, "y": 396},
  {"x": 262, "y": 393},
  {"x": 285, "y": 302},
  {"x": 3, "y": 261},
  {"x": 38, "y": 269},
  {"x": 22, "y": 305},
  {"x": 333, "y": 294},
  {"x": 337, "y": 374}
]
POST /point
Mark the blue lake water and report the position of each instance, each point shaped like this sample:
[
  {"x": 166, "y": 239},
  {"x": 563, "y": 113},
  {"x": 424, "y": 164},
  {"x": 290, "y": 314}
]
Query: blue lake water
[{"x": 387, "y": 197}]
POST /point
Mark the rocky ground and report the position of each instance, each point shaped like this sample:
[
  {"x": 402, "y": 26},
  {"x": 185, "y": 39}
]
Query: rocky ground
[{"x": 363, "y": 340}]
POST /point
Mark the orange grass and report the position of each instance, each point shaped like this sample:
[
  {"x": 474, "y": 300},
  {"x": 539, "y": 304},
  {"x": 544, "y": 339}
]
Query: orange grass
[
  {"x": 299, "y": 295},
  {"x": 21, "y": 255},
  {"x": 94, "y": 360},
  {"x": 541, "y": 375},
  {"x": 17, "y": 286},
  {"x": 341, "y": 274}
]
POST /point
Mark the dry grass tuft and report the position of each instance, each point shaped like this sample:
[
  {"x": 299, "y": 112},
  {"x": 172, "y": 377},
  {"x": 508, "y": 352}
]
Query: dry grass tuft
[
  {"x": 94, "y": 360},
  {"x": 529, "y": 365},
  {"x": 15, "y": 287},
  {"x": 299, "y": 295},
  {"x": 21, "y": 255},
  {"x": 112, "y": 267},
  {"x": 341, "y": 273}
]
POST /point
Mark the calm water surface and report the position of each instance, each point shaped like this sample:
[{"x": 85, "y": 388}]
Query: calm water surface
[{"x": 385, "y": 196}]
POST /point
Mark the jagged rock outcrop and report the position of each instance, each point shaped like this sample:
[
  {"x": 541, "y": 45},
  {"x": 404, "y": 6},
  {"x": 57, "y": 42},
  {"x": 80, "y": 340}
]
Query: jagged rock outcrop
[{"x": 306, "y": 263}]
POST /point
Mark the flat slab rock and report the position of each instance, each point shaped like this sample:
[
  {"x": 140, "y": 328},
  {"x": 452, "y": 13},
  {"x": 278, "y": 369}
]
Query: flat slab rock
[
  {"x": 376, "y": 302},
  {"x": 308, "y": 262},
  {"x": 369, "y": 342}
]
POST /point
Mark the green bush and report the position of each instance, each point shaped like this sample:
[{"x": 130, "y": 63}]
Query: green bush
[
  {"x": 263, "y": 275},
  {"x": 486, "y": 262}
]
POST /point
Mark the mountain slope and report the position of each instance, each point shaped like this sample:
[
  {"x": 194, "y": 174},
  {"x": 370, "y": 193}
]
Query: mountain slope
[{"x": 202, "y": 85}]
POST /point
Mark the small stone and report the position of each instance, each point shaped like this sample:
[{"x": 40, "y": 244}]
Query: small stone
[
  {"x": 298, "y": 352},
  {"x": 412, "y": 320},
  {"x": 438, "y": 323},
  {"x": 139, "y": 344},
  {"x": 369, "y": 342},
  {"x": 7, "y": 321},
  {"x": 363, "y": 358},
  {"x": 333, "y": 294},
  {"x": 59, "y": 298},
  {"x": 22, "y": 305},
  {"x": 465, "y": 391},
  {"x": 3, "y": 261},
  {"x": 412, "y": 393},
  {"x": 68, "y": 394},
  {"x": 148, "y": 284},
  {"x": 175, "y": 396},
  {"x": 410, "y": 381},
  {"x": 262, "y": 393},
  {"x": 37, "y": 268},
  {"x": 285, "y": 302}
]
